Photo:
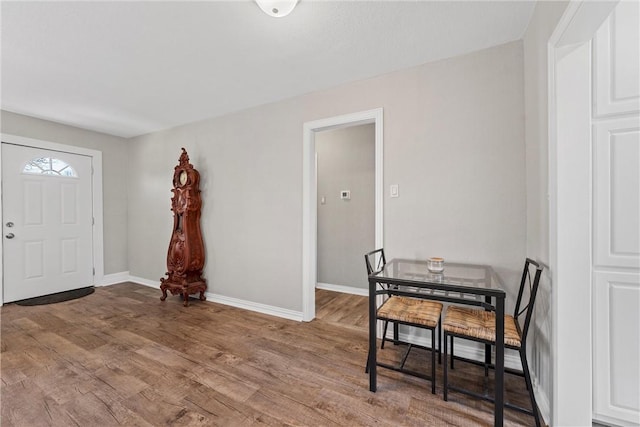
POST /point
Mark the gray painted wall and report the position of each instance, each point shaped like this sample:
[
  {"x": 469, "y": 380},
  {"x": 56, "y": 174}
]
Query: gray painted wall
[
  {"x": 453, "y": 141},
  {"x": 346, "y": 228},
  {"x": 114, "y": 168},
  {"x": 543, "y": 21}
]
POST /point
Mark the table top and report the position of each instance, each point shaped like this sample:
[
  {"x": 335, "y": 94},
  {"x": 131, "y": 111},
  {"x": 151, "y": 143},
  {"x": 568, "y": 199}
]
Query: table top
[{"x": 467, "y": 279}]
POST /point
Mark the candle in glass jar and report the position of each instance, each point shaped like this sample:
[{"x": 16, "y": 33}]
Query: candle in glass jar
[{"x": 435, "y": 264}]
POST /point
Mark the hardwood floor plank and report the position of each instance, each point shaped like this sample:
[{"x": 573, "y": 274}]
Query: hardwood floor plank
[
  {"x": 287, "y": 410},
  {"x": 227, "y": 382},
  {"x": 120, "y": 356},
  {"x": 155, "y": 408}
]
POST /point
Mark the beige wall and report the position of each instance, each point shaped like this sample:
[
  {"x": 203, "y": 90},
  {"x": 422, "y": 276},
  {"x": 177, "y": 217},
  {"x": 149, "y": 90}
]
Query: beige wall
[
  {"x": 453, "y": 141},
  {"x": 114, "y": 159},
  {"x": 544, "y": 20},
  {"x": 346, "y": 228}
]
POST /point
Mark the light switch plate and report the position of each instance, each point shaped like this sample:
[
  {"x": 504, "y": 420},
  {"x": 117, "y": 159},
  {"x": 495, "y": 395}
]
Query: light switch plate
[{"x": 393, "y": 190}]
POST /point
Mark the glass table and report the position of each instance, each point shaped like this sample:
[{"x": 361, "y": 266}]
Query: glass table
[{"x": 459, "y": 283}]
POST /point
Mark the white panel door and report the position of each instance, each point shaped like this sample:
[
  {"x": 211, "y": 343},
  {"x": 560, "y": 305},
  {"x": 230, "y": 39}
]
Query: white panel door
[
  {"x": 616, "y": 344},
  {"x": 47, "y": 221},
  {"x": 617, "y": 192},
  {"x": 616, "y": 218},
  {"x": 616, "y": 65}
]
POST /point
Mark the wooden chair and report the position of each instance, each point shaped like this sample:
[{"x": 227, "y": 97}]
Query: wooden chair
[
  {"x": 403, "y": 310},
  {"x": 479, "y": 325}
]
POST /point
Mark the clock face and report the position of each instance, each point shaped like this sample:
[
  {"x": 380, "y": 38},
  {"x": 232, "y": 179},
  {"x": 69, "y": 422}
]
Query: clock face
[{"x": 183, "y": 177}]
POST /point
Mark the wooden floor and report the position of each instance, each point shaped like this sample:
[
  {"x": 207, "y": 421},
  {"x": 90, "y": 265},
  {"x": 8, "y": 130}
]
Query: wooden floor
[{"x": 122, "y": 357}]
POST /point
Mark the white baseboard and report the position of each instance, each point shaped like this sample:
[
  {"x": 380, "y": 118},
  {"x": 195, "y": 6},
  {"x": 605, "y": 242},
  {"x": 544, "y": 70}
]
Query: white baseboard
[
  {"x": 255, "y": 306},
  {"x": 112, "y": 279},
  {"x": 543, "y": 401},
  {"x": 474, "y": 351},
  {"x": 344, "y": 289},
  {"x": 234, "y": 302},
  {"x": 461, "y": 348},
  {"x": 512, "y": 361},
  {"x": 146, "y": 282},
  {"x": 467, "y": 349},
  {"x": 613, "y": 422}
]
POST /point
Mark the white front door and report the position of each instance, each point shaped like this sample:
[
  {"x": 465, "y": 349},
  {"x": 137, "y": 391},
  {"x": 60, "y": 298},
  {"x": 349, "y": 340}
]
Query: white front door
[{"x": 47, "y": 221}]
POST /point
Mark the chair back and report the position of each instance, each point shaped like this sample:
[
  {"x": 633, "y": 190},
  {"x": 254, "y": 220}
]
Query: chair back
[
  {"x": 527, "y": 295},
  {"x": 375, "y": 261}
]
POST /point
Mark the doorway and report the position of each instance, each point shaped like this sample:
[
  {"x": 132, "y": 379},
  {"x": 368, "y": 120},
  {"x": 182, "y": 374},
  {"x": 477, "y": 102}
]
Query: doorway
[
  {"x": 310, "y": 194},
  {"x": 346, "y": 206},
  {"x": 580, "y": 141},
  {"x": 51, "y": 218}
]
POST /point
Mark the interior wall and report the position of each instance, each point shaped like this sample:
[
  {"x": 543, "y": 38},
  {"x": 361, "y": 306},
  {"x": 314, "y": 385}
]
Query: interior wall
[
  {"x": 346, "y": 227},
  {"x": 454, "y": 143},
  {"x": 114, "y": 159},
  {"x": 544, "y": 20}
]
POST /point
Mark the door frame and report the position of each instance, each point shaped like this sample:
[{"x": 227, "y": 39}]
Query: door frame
[
  {"x": 309, "y": 195},
  {"x": 96, "y": 188},
  {"x": 570, "y": 198}
]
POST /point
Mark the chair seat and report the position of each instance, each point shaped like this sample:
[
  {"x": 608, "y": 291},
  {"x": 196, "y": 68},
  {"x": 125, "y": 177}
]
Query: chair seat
[
  {"x": 480, "y": 324},
  {"x": 411, "y": 310}
]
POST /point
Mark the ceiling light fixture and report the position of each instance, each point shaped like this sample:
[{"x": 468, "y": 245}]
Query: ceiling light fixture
[{"x": 277, "y": 8}]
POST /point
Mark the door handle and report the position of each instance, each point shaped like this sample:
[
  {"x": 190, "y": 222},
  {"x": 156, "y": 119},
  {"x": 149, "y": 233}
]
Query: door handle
[{"x": 10, "y": 236}]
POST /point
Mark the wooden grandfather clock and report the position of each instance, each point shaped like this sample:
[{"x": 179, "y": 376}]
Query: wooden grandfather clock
[{"x": 185, "y": 257}]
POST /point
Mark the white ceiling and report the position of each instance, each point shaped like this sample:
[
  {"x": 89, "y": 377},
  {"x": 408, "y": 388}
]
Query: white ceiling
[{"x": 129, "y": 68}]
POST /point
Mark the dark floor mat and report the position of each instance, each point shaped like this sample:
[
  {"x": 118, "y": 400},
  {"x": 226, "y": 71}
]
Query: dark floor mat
[{"x": 59, "y": 297}]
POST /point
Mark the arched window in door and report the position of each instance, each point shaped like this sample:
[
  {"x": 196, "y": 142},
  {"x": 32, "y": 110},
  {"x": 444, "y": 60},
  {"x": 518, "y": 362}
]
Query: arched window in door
[{"x": 49, "y": 166}]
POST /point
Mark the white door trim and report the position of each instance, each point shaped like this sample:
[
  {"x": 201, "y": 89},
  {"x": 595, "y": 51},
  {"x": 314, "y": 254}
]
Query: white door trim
[
  {"x": 97, "y": 206},
  {"x": 572, "y": 394},
  {"x": 309, "y": 196}
]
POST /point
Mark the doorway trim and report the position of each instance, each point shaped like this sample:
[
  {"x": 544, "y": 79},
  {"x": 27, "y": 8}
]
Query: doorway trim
[
  {"x": 309, "y": 195},
  {"x": 569, "y": 197},
  {"x": 96, "y": 202}
]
